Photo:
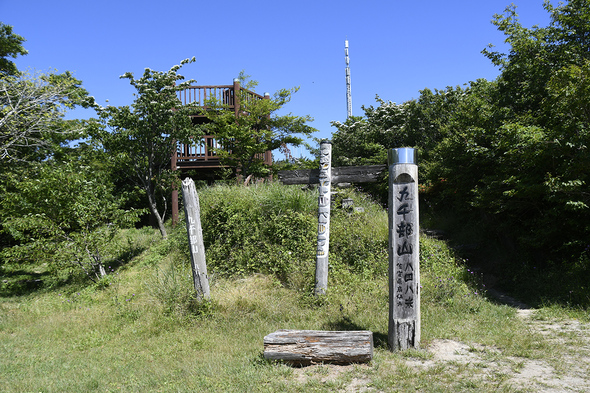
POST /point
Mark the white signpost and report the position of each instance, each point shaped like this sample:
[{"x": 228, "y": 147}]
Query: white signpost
[
  {"x": 192, "y": 212},
  {"x": 325, "y": 179},
  {"x": 404, "y": 255}
]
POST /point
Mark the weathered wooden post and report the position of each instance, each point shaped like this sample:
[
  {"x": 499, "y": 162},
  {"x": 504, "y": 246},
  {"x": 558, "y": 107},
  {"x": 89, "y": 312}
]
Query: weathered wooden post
[
  {"x": 325, "y": 176},
  {"x": 321, "y": 265},
  {"x": 404, "y": 269},
  {"x": 192, "y": 212}
]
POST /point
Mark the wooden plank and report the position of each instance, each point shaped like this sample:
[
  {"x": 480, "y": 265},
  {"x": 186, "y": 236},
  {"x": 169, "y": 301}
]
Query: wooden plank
[
  {"x": 305, "y": 347},
  {"x": 344, "y": 174},
  {"x": 300, "y": 176}
]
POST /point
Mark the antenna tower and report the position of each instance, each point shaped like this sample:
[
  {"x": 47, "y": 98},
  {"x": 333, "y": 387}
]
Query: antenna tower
[{"x": 348, "y": 93}]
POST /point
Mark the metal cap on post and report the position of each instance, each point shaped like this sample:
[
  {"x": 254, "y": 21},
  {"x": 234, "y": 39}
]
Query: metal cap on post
[{"x": 403, "y": 155}]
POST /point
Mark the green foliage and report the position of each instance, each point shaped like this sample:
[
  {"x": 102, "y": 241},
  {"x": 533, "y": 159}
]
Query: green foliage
[
  {"x": 62, "y": 215},
  {"x": 359, "y": 239},
  {"x": 420, "y": 123},
  {"x": 10, "y": 47},
  {"x": 521, "y": 174},
  {"x": 267, "y": 229},
  {"x": 446, "y": 279},
  {"x": 32, "y": 106},
  {"x": 417, "y": 123},
  {"x": 142, "y": 137},
  {"x": 243, "y": 139},
  {"x": 503, "y": 160}
]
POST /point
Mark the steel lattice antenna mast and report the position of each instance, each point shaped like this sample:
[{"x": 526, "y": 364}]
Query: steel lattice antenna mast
[{"x": 348, "y": 93}]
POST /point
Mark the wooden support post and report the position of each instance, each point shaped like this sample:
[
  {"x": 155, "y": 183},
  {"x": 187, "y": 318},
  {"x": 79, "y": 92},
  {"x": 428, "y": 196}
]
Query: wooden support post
[
  {"x": 325, "y": 176},
  {"x": 321, "y": 265},
  {"x": 237, "y": 97},
  {"x": 192, "y": 211},
  {"x": 404, "y": 268},
  {"x": 174, "y": 206},
  {"x": 305, "y": 347}
]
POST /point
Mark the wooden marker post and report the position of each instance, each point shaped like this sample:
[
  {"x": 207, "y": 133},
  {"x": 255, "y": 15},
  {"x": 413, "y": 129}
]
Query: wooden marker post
[
  {"x": 404, "y": 256},
  {"x": 325, "y": 179},
  {"x": 192, "y": 212}
]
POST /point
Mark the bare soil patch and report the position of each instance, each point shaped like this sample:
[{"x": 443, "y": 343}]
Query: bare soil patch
[{"x": 566, "y": 370}]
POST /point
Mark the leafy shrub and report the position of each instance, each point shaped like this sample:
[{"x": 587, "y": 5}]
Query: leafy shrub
[
  {"x": 359, "y": 241},
  {"x": 272, "y": 229},
  {"x": 64, "y": 215},
  {"x": 266, "y": 228},
  {"x": 445, "y": 278}
]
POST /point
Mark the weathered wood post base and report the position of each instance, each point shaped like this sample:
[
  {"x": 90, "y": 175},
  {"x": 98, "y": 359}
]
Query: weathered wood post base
[
  {"x": 305, "y": 347},
  {"x": 404, "y": 251},
  {"x": 404, "y": 335}
]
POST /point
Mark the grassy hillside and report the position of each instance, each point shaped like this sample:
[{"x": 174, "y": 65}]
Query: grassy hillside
[{"x": 141, "y": 329}]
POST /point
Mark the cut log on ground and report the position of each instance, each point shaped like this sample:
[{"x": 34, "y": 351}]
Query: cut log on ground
[{"x": 305, "y": 347}]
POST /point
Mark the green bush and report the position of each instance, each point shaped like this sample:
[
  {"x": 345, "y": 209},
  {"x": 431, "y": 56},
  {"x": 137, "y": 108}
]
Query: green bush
[
  {"x": 266, "y": 228},
  {"x": 445, "y": 278},
  {"x": 272, "y": 229}
]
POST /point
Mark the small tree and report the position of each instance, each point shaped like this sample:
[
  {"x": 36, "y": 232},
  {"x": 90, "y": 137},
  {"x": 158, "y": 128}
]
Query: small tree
[
  {"x": 141, "y": 137},
  {"x": 258, "y": 128}
]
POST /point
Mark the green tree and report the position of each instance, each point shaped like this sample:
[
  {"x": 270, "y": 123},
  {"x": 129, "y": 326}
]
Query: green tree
[
  {"x": 32, "y": 107},
  {"x": 10, "y": 47},
  {"x": 62, "y": 214},
  {"x": 536, "y": 53},
  {"x": 141, "y": 138},
  {"x": 244, "y": 139},
  {"x": 515, "y": 152},
  {"x": 416, "y": 123},
  {"x": 420, "y": 123}
]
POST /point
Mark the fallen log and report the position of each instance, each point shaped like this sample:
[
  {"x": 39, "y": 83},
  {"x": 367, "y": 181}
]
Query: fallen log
[{"x": 305, "y": 347}]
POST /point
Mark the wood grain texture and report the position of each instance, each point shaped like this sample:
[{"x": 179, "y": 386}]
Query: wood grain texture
[
  {"x": 344, "y": 174},
  {"x": 305, "y": 347}
]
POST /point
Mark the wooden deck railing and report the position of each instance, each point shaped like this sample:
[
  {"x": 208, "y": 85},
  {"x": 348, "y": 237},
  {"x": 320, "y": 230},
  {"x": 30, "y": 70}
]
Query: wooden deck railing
[
  {"x": 200, "y": 94},
  {"x": 200, "y": 154},
  {"x": 197, "y": 155},
  {"x": 227, "y": 95}
]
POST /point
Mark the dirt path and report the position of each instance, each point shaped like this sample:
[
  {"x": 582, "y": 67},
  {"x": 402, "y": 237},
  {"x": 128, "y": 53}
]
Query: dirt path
[{"x": 566, "y": 369}]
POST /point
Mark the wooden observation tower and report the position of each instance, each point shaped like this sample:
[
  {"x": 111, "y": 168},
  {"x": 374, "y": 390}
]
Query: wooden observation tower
[{"x": 199, "y": 157}]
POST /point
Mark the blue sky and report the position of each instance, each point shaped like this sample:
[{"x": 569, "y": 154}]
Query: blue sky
[{"x": 397, "y": 48}]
